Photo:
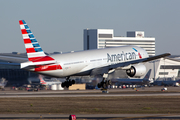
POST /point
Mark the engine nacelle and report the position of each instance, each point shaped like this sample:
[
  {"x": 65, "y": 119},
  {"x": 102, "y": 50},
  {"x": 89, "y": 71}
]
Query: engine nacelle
[{"x": 137, "y": 70}]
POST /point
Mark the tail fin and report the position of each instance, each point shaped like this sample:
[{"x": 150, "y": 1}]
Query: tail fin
[
  {"x": 41, "y": 80},
  {"x": 148, "y": 74},
  {"x": 38, "y": 60},
  {"x": 33, "y": 48}
]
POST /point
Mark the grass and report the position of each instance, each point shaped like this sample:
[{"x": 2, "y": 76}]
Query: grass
[{"x": 92, "y": 105}]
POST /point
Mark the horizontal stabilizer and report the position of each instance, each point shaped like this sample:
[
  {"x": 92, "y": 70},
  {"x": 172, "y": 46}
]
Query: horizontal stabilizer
[{"x": 30, "y": 64}]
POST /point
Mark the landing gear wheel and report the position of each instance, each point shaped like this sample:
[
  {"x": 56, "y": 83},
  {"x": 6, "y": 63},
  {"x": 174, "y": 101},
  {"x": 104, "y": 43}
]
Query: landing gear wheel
[
  {"x": 67, "y": 86},
  {"x": 104, "y": 86},
  {"x": 99, "y": 85},
  {"x": 63, "y": 85},
  {"x": 109, "y": 82},
  {"x": 70, "y": 83},
  {"x": 67, "y": 83},
  {"x": 73, "y": 81}
]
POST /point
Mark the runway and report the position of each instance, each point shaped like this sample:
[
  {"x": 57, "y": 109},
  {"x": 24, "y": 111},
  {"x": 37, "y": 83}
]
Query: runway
[
  {"x": 153, "y": 91},
  {"x": 82, "y": 95},
  {"x": 91, "y": 117}
]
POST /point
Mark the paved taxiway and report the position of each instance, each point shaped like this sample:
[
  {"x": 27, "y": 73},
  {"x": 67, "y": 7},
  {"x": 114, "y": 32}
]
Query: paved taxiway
[{"x": 149, "y": 91}]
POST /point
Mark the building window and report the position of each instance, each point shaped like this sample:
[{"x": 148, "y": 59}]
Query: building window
[
  {"x": 105, "y": 35},
  {"x": 170, "y": 67},
  {"x": 163, "y": 73},
  {"x": 102, "y": 40}
]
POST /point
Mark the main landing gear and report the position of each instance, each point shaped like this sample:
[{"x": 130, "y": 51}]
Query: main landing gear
[
  {"x": 104, "y": 84},
  {"x": 68, "y": 83}
]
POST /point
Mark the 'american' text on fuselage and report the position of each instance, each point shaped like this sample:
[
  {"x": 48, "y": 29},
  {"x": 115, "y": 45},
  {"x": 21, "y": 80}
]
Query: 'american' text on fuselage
[{"x": 121, "y": 57}]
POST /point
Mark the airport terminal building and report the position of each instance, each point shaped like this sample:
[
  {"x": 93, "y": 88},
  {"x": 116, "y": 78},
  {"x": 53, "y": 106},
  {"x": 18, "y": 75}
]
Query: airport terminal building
[
  {"x": 168, "y": 67},
  {"x": 12, "y": 72},
  {"x": 104, "y": 38}
]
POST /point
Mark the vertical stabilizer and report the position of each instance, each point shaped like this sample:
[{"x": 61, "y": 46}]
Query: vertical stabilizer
[
  {"x": 33, "y": 48},
  {"x": 42, "y": 82},
  {"x": 147, "y": 76}
]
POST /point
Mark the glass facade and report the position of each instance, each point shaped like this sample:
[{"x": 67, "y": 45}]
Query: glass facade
[{"x": 14, "y": 75}]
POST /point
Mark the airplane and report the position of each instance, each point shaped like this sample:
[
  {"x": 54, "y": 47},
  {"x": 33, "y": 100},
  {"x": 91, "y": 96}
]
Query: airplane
[
  {"x": 91, "y": 62},
  {"x": 135, "y": 81},
  {"x": 3, "y": 82},
  {"x": 167, "y": 82},
  {"x": 48, "y": 82}
]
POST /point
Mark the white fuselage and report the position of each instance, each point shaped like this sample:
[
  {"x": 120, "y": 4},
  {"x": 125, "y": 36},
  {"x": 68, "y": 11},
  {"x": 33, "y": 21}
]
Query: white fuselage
[{"x": 81, "y": 63}]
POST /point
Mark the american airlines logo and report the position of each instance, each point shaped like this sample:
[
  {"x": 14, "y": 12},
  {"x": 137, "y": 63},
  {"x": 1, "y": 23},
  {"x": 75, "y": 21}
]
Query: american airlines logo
[{"x": 121, "y": 57}]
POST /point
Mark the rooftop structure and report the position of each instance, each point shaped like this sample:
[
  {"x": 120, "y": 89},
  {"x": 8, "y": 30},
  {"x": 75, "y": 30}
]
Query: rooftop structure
[{"x": 104, "y": 38}]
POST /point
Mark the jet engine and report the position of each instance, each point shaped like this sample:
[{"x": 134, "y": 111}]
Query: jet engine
[{"x": 137, "y": 70}]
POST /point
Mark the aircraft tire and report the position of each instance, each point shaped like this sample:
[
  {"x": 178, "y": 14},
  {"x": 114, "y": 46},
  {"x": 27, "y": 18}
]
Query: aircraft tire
[
  {"x": 99, "y": 85},
  {"x": 63, "y": 85},
  {"x": 73, "y": 81},
  {"x": 109, "y": 82},
  {"x": 67, "y": 86},
  {"x": 69, "y": 83},
  {"x": 104, "y": 86}
]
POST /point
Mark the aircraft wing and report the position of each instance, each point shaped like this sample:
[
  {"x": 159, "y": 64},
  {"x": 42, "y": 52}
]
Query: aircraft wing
[
  {"x": 138, "y": 61},
  {"x": 5, "y": 63},
  {"x": 156, "y": 57},
  {"x": 106, "y": 69},
  {"x": 13, "y": 59}
]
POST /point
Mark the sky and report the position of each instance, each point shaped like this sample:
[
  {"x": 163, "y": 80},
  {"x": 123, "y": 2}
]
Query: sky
[{"x": 58, "y": 24}]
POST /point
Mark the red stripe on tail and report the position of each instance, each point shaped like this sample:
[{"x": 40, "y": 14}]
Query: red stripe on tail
[
  {"x": 20, "y": 22},
  {"x": 24, "y": 31},
  {"x": 26, "y": 41},
  {"x": 34, "y": 58},
  {"x": 40, "y": 59},
  {"x": 46, "y": 58},
  {"x": 30, "y": 50}
]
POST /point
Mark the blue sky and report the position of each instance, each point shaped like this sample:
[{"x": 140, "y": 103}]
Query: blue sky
[{"x": 58, "y": 24}]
